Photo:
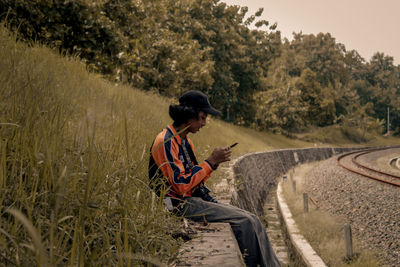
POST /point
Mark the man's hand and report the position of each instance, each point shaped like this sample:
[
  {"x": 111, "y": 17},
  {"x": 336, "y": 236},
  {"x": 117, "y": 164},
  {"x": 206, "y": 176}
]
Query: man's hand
[{"x": 219, "y": 155}]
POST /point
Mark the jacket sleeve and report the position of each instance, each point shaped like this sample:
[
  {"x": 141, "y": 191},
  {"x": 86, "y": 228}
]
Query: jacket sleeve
[{"x": 166, "y": 156}]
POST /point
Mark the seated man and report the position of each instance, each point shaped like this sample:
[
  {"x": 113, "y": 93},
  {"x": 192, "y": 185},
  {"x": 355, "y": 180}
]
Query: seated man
[{"x": 173, "y": 160}]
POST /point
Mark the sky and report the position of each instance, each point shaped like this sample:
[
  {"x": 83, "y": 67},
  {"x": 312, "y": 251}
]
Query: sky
[{"x": 367, "y": 26}]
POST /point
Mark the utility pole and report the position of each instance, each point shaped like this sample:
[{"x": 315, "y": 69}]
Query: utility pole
[{"x": 388, "y": 121}]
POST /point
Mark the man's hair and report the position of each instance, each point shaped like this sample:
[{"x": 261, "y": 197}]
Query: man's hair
[{"x": 181, "y": 114}]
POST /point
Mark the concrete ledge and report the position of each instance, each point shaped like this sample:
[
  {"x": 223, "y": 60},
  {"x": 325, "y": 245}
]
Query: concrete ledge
[
  {"x": 395, "y": 161},
  {"x": 302, "y": 248},
  {"x": 256, "y": 173},
  {"x": 214, "y": 245}
]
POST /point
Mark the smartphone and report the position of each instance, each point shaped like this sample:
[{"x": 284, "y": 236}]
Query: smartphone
[{"x": 234, "y": 144}]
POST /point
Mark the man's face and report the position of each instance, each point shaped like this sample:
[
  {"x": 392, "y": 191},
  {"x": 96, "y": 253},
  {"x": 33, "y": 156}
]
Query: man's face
[{"x": 196, "y": 123}]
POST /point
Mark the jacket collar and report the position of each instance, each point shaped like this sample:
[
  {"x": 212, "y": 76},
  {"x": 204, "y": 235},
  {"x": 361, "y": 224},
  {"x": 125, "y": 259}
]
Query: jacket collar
[{"x": 175, "y": 134}]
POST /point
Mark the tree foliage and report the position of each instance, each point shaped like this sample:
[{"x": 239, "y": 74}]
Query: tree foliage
[
  {"x": 73, "y": 27},
  {"x": 254, "y": 77},
  {"x": 331, "y": 80}
]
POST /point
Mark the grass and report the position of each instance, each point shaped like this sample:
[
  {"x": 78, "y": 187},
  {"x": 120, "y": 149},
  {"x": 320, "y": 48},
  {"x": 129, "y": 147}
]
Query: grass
[
  {"x": 345, "y": 136},
  {"x": 73, "y": 165},
  {"x": 324, "y": 231}
]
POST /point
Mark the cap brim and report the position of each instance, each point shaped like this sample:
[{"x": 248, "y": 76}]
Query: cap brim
[{"x": 212, "y": 111}]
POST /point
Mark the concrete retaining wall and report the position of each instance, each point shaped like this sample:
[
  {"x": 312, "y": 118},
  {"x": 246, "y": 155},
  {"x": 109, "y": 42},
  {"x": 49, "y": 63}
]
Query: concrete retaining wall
[{"x": 257, "y": 173}]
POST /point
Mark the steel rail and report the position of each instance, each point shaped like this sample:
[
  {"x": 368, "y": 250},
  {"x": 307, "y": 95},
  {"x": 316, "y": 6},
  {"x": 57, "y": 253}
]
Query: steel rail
[
  {"x": 354, "y": 160},
  {"x": 359, "y": 153}
]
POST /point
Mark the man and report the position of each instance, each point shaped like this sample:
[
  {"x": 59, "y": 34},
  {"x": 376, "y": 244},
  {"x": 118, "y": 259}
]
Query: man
[{"x": 173, "y": 160}]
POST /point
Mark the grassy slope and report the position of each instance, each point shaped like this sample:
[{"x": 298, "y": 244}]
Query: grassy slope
[
  {"x": 73, "y": 163},
  {"x": 73, "y": 157}
]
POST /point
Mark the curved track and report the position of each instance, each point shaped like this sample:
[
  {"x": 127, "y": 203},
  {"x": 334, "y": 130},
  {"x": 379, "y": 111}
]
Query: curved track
[{"x": 349, "y": 162}]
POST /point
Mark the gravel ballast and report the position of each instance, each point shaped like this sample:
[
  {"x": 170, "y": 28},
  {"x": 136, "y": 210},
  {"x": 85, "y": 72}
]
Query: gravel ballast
[{"x": 372, "y": 208}]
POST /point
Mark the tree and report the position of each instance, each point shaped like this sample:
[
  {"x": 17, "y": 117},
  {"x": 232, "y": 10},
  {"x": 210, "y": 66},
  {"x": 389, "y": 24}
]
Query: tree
[
  {"x": 241, "y": 55},
  {"x": 319, "y": 100},
  {"x": 280, "y": 108},
  {"x": 171, "y": 46},
  {"x": 73, "y": 27},
  {"x": 160, "y": 55},
  {"x": 383, "y": 79}
]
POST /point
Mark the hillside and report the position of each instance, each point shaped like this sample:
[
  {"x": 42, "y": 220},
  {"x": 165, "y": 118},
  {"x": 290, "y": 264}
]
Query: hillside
[{"x": 73, "y": 163}]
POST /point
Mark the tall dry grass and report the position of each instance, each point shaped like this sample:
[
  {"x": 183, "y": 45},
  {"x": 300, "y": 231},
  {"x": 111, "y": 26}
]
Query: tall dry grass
[{"x": 73, "y": 166}]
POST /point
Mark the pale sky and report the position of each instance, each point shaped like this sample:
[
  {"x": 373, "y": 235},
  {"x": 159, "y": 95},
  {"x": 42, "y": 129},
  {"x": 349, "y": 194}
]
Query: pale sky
[{"x": 367, "y": 26}]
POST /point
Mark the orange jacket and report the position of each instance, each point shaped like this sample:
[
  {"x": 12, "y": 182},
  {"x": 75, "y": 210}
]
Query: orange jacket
[{"x": 167, "y": 153}]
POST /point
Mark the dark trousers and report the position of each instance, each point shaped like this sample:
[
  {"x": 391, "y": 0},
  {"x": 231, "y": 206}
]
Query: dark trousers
[{"x": 247, "y": 227}]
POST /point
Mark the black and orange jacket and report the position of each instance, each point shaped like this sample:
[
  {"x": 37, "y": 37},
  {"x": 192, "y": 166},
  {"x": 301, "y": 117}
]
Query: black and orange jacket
[{"x": 168, "y": 156}]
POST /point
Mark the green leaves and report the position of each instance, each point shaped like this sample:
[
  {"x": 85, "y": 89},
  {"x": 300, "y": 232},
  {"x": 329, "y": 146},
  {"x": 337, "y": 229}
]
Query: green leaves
[
  {"x": 72, "y": 27},
  {"x": 171, "y": 46}
]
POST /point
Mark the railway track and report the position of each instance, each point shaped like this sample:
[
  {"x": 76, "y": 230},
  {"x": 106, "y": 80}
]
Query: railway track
[
  {"x": 372, "y": 207},
  {"x": 349, "y": 161}
]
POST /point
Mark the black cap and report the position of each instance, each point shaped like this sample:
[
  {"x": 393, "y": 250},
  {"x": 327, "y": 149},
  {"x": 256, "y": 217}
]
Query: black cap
[{"x": 198, "y": 100}]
